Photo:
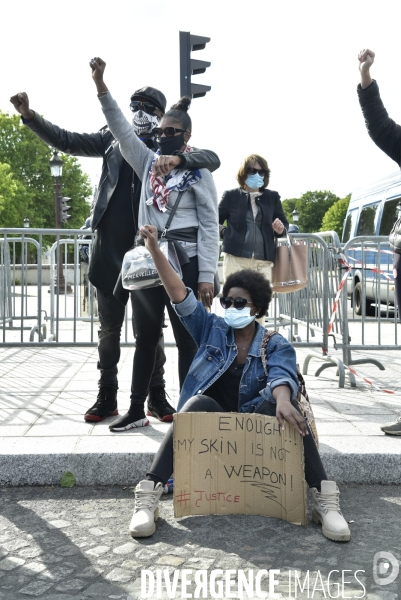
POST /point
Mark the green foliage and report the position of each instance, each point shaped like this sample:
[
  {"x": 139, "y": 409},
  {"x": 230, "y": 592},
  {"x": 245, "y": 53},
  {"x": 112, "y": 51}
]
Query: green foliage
[
  {"x": 289, "y": 206},
  {"x": 26, "y": 187},
  {"x": 67, "y": 480},
  {"x": 312, "y": 206},
  {"x": 9, "y": 195},
  {"x": 333, "y": 220}
]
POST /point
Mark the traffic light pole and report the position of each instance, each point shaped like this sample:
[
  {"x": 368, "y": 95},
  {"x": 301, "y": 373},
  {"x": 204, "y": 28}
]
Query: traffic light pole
[
  {"x": 57, "y": 194},
  {"x": 185, "y": 64},
  {"x": 60, "y": 284},
  {"x": 189, "y": 66}
]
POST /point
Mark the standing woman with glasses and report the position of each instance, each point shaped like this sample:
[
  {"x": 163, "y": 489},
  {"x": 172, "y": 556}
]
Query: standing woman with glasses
[
  {"x": 194, "y": 227},
  {"x": 253, "y": 216}
]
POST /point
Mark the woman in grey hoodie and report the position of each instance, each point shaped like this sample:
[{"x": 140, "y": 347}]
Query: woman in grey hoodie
[{"x": 194, "y": 226}]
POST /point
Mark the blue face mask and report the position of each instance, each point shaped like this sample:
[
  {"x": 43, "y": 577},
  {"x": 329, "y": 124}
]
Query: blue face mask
[
  {"x": 238, "y": 319},
  {"x": 254, "y": 181}
]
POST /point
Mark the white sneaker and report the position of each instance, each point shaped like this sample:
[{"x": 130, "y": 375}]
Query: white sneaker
[
  {"x": 326, "y": 510},
  {"x": 393, "y": 428},
  {"x": 146, "y": 512}
]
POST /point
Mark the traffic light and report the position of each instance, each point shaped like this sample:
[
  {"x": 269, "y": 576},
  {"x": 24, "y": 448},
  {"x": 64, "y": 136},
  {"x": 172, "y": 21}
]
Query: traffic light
[
  {"x": 189, "y": 66},
  {"x": 63, "y": 208}
]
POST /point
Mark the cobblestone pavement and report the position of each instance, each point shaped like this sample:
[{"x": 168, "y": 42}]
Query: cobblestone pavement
[{"x": 65, "y": 544}]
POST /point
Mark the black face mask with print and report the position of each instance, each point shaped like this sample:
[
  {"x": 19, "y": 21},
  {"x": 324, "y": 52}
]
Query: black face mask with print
[{"x": 169, "y": 145}]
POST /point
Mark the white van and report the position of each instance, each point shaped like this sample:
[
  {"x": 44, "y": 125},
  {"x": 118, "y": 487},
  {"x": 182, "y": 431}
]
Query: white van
[{"x": 372, "y": 211}]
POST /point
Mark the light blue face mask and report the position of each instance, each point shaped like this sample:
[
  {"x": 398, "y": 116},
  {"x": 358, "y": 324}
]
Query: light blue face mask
[
  {"x": 254, "y": 181},
  {"x": 238, "y": 319}
]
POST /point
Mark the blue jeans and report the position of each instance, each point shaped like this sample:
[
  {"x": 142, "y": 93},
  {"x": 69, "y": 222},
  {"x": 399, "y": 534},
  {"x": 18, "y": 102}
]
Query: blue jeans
[{"x": 111, "y": 317}]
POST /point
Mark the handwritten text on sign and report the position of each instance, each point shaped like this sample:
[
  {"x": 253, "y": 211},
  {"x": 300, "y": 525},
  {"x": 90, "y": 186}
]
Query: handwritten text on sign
[{"x": 231, "y": 463}]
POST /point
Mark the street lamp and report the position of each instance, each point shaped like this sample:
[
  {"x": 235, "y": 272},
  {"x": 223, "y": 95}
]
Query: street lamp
[
  {"x": 295, "y": 215},
  {"x": 26, "y": 222},
  {"x": 56, "y": 165},
  {"x": 56, "y": 170}
]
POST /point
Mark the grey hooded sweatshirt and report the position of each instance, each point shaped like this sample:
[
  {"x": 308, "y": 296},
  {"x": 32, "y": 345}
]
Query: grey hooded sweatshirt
[{"x": 198, "y": 205}]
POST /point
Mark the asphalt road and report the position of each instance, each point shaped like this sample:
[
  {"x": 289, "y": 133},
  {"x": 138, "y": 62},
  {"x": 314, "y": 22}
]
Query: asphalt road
[{"x": 65, "y": 544}]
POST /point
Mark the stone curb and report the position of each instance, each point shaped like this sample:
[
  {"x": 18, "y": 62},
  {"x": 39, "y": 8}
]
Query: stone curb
[{"x": 127, "y": 468}]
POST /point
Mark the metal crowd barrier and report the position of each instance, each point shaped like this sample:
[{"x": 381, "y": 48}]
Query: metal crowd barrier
[
  {"x": 17, "y": 311},
  {"x": 305, "y": 314},
  {"x": 309, "y": 308},
  {"x": 5, "y": 283},
  {"x": 72, "y": 297},
  {"x": 371, "y": 322},
  {"x": 36, "y": 310}
]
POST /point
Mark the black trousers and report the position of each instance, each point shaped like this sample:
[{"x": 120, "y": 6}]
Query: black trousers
[
  {"x": 111, "y": 317},
  {"x": 397, "y": 279},
  {"x": 162, "y": 466},
  {"x": 148, "y": 310}
]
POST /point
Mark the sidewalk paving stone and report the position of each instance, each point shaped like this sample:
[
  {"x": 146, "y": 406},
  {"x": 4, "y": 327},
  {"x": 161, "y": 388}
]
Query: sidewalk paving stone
[
  {"x": 23, "y": 400},
  {"x": 59, "y": 425},
  {"x": 16, "y": 422},
  {"x": 45, "y": 392}
]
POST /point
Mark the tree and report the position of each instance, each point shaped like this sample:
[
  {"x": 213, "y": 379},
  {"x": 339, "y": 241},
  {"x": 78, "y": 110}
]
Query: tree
[
  {"x": 334, "y": 218},
  {"x": 28, "y": 160},
  {"x": 11, "y": 204},
  {"x": 312, "y": 207},
  {"x": 289, "y": 206}
]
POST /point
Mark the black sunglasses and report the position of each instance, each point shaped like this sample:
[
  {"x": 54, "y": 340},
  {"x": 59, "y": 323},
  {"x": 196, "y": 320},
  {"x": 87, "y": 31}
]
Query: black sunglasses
[
  {"x": 168, "y": 131},
  {"x": 239, "y": 303},
  {"x": 147, "y": 107},
  {"x": 252, "y": 171}
]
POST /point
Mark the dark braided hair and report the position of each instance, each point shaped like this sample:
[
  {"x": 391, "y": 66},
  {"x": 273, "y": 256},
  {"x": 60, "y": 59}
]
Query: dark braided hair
[{"x": 179, "y": 112}]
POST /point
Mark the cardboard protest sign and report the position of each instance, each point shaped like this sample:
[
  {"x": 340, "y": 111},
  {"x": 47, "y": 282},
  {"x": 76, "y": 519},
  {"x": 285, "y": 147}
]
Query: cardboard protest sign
[{"x": 238, "y": 463}]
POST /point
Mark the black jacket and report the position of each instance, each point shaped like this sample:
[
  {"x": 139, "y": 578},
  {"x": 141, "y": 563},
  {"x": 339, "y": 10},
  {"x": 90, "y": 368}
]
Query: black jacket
[
  {"x": 233, "y": 208},
  {"x": 384, "y": 131},
  {"x": 102, "y": 144}
]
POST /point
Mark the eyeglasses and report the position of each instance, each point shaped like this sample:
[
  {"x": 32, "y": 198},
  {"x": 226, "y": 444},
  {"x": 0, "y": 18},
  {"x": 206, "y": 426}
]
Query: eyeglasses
[
  {"x": 147, "y": 107},
  {"x": 168, "y": 131},
  {"x": 239, "y": 303},
  {"x": 252, "y": 171}
]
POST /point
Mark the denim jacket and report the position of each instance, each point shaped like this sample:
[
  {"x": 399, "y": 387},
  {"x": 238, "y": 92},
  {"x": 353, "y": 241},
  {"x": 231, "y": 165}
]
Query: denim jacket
[{"x": 217, "y": 350}]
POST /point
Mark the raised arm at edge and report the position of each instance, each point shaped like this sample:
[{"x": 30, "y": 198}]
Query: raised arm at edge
[{"x": 171, "y": 281}]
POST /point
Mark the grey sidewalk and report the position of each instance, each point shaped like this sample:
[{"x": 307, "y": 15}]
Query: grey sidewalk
[{"x": 44, "y": 393}]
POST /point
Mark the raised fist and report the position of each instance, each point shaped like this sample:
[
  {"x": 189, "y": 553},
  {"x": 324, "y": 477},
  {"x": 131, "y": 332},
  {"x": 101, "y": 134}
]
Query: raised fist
[
  {"x": 149, "y": 233},
  {"x": 366, "y": 59},
  {"x": 21, "y": 104},
  {"x": 98, "y": 66}
]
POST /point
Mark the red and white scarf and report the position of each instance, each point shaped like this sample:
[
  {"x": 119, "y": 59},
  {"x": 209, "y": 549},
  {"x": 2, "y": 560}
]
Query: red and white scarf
[{"x": 176, "y": 180}]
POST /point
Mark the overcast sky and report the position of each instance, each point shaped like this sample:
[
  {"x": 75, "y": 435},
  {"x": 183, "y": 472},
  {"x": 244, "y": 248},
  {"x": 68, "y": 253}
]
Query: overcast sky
[{"x": 283, "y": 77}]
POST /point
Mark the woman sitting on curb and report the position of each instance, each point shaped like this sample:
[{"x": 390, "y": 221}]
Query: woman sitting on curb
[{"x": 229, "y": 369}]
